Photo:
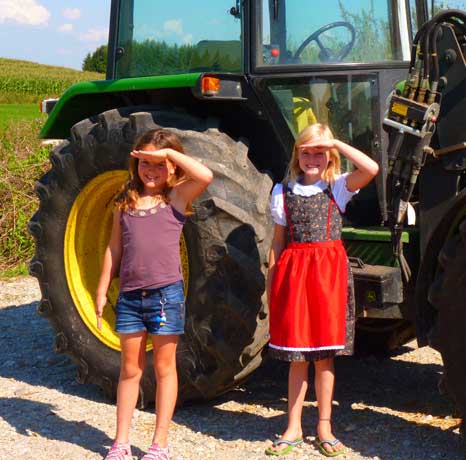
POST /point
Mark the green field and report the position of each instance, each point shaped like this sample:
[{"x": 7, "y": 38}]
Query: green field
[
  {"x": 24, "y": 84},
  {"x": 12, "y": 113}
]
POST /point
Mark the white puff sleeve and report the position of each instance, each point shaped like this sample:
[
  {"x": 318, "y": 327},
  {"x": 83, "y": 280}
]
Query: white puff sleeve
[
  {"x": 341, "y": 193},
  {"x": 276, "y": 205}
]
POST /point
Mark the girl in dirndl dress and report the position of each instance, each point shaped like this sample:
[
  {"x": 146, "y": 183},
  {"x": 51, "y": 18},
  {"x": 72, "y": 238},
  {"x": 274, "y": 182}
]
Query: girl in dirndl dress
[{"x": 309, "y": 283}]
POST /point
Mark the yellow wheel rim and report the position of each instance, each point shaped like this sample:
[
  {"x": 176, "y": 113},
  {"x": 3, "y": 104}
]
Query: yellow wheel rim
[{"x": 87, "y": 233}]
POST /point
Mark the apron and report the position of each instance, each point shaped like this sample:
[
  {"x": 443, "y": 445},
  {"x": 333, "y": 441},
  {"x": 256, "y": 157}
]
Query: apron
[{"x": 309, "y": 295}]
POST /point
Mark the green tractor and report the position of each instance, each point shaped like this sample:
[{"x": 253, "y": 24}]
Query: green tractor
[{"x": 237, "y": 80}]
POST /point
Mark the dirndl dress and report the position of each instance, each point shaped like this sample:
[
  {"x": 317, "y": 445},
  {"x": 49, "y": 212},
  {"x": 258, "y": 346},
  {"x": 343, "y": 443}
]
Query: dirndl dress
[{"x": 312, "y": 310}]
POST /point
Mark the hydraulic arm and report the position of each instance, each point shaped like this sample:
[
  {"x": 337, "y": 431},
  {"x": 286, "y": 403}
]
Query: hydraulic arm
[{"x": 413, "y": 112}]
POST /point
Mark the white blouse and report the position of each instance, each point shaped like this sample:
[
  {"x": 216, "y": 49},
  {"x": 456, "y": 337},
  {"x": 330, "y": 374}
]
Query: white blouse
[{"x": 339, "y": 189}]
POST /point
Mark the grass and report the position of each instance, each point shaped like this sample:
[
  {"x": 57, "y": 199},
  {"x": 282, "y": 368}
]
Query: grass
[
  {"x": 14, "y": 113},
  {"x": 20, "y": 270},
  {"x": 22, "y": 160}
]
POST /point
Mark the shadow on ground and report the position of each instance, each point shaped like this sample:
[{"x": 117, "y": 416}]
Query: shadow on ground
[
  {"x": 410, "y": 388},
  {"x": 381, "y": 383},
  {"x": 49, "y": 425},
  {"x": 26, "y": 354}
]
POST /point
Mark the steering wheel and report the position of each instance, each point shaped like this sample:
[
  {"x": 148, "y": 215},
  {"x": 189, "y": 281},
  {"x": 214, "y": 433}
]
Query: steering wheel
[{"x": 325, "y": 55}]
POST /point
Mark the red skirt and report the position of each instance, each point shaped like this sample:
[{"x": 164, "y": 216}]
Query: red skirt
[{"x": 309, "y": 297}]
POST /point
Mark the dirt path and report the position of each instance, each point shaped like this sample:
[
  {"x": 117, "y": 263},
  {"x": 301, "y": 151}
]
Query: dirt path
[{"x": 386, "y": 409}]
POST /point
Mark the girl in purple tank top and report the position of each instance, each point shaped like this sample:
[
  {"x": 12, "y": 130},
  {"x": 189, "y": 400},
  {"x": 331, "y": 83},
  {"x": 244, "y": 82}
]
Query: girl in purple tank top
[{"x": 144, "y": 250}]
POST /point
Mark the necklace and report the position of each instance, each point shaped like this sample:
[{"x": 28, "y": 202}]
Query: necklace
[
  {"x": 147, "y": 211},
  {"x": 148, "y": 204}
]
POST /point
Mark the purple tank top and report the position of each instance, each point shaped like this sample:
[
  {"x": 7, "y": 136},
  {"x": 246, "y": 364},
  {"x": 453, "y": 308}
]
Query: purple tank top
[{"x": 151, "y": 247}]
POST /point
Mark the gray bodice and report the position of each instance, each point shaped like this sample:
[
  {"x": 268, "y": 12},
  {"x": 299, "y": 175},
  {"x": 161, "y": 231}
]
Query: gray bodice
[{"x": 312, "y": 218}]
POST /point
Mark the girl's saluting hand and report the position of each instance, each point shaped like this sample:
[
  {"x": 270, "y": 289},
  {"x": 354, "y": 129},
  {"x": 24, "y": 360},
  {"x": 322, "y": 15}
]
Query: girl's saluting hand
[
  {"x": 318, "y": 144},
  {"x": 161, "y": 154}
]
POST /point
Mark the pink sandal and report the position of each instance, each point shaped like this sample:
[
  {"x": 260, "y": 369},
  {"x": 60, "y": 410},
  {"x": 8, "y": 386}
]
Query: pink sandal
[{"x": 157, "y": 453}]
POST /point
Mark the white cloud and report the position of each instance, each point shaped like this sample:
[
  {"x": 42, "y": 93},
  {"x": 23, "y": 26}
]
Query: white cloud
[
  {"x": 71, "y": 13},
  {"x": 188, "y": 39},
  {"x": 27, "y": 12},
  {"x": 174, "y": 25},
  {"x": 95, "y": 35},
  {"x": 65, "y": 28}
]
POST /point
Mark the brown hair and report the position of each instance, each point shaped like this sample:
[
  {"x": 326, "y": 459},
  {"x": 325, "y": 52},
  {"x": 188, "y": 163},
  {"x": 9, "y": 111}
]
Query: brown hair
[
  {"x": 133, "y": 188},
  {"x": 313, "y": 131}
]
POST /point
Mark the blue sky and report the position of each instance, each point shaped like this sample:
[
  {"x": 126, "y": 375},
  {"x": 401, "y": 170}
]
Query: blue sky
[
  {"x": 62, "y": 32},
  {"x": 55, "y": 32}
]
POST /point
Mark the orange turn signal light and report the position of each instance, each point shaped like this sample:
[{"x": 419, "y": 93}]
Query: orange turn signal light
[{"x": 210, "y": 86}]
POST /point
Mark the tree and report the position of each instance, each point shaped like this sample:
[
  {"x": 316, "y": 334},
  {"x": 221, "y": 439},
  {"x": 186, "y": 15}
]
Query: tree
[{"x": 97, "y": 61}]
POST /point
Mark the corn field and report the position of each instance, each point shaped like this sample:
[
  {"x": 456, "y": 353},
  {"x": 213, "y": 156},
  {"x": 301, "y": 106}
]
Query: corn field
[{"x": 26, "y": 82}]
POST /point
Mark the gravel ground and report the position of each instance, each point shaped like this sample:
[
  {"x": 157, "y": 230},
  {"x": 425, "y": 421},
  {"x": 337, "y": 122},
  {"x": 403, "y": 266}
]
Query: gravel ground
[{"x": 386, "y": 408}]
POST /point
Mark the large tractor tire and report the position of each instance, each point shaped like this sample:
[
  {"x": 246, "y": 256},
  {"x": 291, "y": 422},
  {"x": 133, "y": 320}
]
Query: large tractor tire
[
  {"x": 223, "y": 248},
  {"x": 447, "y": 295}
]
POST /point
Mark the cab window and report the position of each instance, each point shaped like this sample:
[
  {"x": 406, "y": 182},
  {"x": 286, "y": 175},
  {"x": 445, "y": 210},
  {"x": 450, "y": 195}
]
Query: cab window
[
  {"x": 175, "y": 37},
  {"x": 332, "y": 31}
]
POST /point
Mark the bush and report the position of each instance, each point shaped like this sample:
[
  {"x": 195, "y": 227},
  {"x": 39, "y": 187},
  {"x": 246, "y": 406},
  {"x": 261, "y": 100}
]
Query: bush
[{"x": 97, "y": 61}]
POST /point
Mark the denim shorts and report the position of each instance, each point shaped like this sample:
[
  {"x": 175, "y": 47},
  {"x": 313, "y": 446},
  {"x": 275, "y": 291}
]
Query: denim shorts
[{"x": 158, "y": 311}]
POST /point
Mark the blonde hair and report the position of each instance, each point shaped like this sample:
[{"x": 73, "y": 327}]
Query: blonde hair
[
  {"x": 311, "y": 132},
  {"x": 134, "y": 187}
]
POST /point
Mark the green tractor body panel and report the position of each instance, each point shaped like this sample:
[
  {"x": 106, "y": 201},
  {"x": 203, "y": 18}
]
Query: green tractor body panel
[
  {"x": 374, "y": 245},
  {"x": 80, "y": 101},
  {"x": 380, "y": 234}
]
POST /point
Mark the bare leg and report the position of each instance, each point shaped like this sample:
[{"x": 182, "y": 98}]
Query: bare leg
[
  {"x": 297, "y": 387},
  {"x": 167, "y": 384},
  {"x": 133, "y": 359},
  {"x": 324, "y": 385}
]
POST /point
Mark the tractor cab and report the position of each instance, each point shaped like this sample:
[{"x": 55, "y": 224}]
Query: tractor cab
[{"x": 304, "y": 60}]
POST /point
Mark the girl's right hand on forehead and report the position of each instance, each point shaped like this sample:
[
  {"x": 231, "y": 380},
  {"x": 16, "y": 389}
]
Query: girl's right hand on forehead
[
  {"x": 317, "y": 144},
  {"x": 160, "y": 154}
]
